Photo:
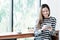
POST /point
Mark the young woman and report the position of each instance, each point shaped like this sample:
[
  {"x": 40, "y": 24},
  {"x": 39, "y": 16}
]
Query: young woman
[{"x": 46, "y": 24}]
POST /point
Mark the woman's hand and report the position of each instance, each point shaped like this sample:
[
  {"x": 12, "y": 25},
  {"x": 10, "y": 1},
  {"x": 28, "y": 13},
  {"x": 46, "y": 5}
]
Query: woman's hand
[
  {"x": 44, "y": 27},
  {"x": 49, "y": 28}
]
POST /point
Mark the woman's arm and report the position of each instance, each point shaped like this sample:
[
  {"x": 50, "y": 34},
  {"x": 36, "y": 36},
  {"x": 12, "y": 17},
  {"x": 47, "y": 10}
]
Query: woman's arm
[
  {"x": 53, "y": 24},
  {"x": 37, "y": 32}
]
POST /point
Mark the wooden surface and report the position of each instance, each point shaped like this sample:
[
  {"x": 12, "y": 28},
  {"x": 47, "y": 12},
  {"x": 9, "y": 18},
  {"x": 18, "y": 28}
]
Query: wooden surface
[
  {"x": 17, "y": 36},
  {"x": 56, "y": 37},
  {"x": 24, "y": 36}
]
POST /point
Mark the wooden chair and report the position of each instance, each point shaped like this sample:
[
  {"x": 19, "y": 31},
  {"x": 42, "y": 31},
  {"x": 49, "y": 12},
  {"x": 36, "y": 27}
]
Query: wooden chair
[{"x": 56, "y": 36}]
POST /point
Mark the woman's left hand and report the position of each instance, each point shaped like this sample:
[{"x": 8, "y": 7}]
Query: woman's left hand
[{"x": 50, "y": 28}]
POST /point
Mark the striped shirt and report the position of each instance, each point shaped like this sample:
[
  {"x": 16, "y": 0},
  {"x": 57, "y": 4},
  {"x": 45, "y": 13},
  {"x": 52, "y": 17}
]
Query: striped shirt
[{"x": 46, "y": 34}]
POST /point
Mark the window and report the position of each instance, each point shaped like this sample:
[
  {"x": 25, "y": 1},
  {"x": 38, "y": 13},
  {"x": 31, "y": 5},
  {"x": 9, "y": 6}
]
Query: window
[
  {"x": 18, "y": 15},
  {"x": 25, "y": 14},
  {"x": 5, "y": 16},
  {"x": 22, "y": 10}
]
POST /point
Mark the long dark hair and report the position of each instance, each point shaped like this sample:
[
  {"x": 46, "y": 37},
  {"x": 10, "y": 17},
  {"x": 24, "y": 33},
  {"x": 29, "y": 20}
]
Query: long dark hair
[{"x": 41, "y": 17}]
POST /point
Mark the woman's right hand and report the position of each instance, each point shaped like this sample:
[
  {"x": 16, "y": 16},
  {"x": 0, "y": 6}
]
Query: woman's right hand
[{"x": 44, "y": 27}]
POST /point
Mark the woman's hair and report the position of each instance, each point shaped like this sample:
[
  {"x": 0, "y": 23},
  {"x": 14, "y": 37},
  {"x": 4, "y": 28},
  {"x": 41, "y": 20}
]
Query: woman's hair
[{"x": 41, "y": 17}]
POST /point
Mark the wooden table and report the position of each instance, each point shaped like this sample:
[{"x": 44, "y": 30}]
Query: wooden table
[
  {"x": 17, "y": 36},
  {"x": 23, "y": 36}
]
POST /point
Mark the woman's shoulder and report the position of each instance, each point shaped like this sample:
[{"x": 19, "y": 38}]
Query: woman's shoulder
[{"x": 53, "y": 18}]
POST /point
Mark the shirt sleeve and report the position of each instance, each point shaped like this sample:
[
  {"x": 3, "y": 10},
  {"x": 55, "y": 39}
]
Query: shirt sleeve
[
  {"x": 53, "y": 24},
  {"x": 37, "y": 32}
]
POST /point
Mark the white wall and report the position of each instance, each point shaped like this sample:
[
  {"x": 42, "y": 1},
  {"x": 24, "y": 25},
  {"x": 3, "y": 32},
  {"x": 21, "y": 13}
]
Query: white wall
[{"x": 55, "y": 10}]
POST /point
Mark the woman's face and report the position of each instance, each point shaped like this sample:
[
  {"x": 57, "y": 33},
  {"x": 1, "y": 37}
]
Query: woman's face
[{"x": 45, "y": 12}]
